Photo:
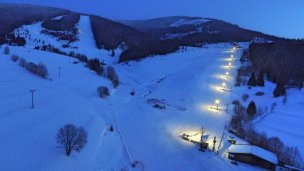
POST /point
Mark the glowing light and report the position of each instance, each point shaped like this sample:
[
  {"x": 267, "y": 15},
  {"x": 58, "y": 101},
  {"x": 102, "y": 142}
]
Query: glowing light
[
  {"x": 234, "y": 48},
  {"x": 217, "y": 102},
  {"x": 220, "y": 76},
  {"x": 231, "y": 56},
  {"x": 224, "y": 84},
  {"x": 229, "y": 64},
  {"x": 192, "y": 135},
  {"x": 216, "y": 88},
  {"x": 210, "y": 108},
  {"x": 227, "y": 73}
]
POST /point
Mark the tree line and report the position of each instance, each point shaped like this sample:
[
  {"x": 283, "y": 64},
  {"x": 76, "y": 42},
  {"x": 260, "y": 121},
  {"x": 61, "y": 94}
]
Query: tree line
[{"x": 281, "y": 61}]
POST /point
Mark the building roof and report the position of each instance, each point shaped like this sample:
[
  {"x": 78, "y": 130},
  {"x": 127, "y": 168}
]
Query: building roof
[
  {"x": 254, "y": 150},
  {"x": 293, "y": 168}
]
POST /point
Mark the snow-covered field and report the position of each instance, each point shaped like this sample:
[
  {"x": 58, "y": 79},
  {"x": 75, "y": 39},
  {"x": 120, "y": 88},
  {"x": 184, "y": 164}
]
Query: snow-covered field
[
  {"x": 28, "y": 135},
  {"x": 188, "y": 82},
  {"x": 184, "y": 80},
  {"x": 286, "y": 122}
]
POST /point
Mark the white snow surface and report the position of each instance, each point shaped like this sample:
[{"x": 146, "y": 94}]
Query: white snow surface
[
  {"x": 257, "y": 151},
  {"x": 286, "y": 122},
  {"x": 29, "y": 136},
  {"x": 187, "y": 82},
  {"x": 33, "y": 37},
  {"x": 85, "y": 45},
  {"x": 58, "y": 17},
  {"x": 180, "y": 35},
  {"x": 182, "y": 22}
]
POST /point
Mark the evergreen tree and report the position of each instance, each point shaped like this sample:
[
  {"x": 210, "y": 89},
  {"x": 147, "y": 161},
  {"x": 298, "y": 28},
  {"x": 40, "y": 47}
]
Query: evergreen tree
[
  {"x": 251, "y": 109},
  {"x": 113, "y": 53},
  {"x": 252, "y": 80},
  {"x": 300, "y": 84},
  {"x": 280, "y": 90},
  {"x": 260, "y": 80}
]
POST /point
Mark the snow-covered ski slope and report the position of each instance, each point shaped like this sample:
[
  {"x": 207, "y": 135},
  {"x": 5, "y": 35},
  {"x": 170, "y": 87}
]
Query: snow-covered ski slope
[
  {"x": 85, "y": 44},
  {"x": 187, "y": 82},
  {"x": 28, "y": 135}
]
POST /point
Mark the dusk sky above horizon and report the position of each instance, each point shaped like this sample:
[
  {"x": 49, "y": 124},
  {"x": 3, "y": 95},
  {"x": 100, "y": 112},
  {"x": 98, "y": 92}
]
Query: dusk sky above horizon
[{"x": 283, "y": 18}]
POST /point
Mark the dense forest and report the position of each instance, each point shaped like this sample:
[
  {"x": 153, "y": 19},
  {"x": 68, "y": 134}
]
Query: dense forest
[
  {"x": 63, "y": 28},
  {"x": 282, "y": 61},
  {"x": 206, "y": 30},
  {"x": 66, "y": 23},
  {"x": 109, "y": 35},
  {"x": 215, "y": 31},
  {"x": 149, "y": 48}
]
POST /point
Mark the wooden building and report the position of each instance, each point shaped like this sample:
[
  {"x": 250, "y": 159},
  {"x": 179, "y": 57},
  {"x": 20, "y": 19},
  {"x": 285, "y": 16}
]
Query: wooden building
[{"x": 253, "y": 155}]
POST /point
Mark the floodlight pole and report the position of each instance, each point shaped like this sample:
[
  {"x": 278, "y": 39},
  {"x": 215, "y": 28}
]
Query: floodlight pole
[
  {"x": 59, "y": 71},
  {"x": 32, "y": 91}
]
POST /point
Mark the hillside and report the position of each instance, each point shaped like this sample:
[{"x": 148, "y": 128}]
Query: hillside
[
  {"x": 72, "y": 98},
  {"x": 270, "y": 58},
  {"x": 29, "y": 139},
  {"x": 138, "y": 39},
  {"x": 111, "y": 35},
  {"x": 193, "y": 31},
  {"x": 138, "y": 112},
  {"x": 27, "y": 14}
]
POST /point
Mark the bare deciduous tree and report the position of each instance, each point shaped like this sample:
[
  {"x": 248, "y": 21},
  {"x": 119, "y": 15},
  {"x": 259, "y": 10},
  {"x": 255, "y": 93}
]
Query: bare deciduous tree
[
  {"x": 103, "y": 91},
  {"x": 14, "y": 58},
  {"x": 111, "y": 73},
  {"x": 71, "y": 138},
  {"x": 115, "y": 81},
  {"x": 272, "y": 107},
  {"x": 284, "y": 100}
]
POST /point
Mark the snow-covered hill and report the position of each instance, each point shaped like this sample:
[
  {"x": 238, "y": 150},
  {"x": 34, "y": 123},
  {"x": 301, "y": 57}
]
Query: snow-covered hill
[
  {"x": 186, "y": 81},
  {"x": 84, "y": 45},
  {"x": 29, "y": 136}
]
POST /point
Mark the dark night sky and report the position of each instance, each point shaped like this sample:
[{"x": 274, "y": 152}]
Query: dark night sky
[{"x": 278, "y": 17}]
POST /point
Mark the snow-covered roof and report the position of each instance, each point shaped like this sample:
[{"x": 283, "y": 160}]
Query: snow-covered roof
[
  {"x": 254, "y": 150},
  {"x": 293, "y": 168}
]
